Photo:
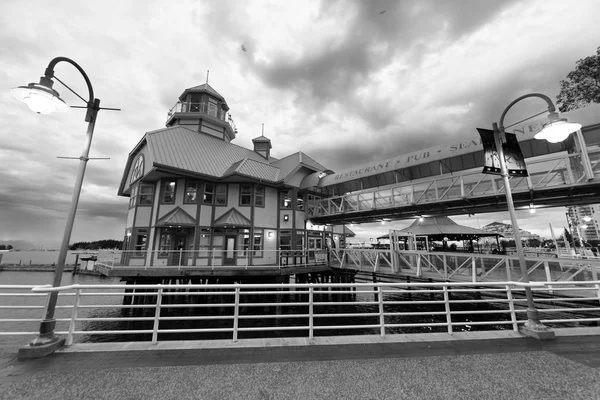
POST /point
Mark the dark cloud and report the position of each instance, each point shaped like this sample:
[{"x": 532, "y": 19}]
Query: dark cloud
[{"x": 334, "y": 71}]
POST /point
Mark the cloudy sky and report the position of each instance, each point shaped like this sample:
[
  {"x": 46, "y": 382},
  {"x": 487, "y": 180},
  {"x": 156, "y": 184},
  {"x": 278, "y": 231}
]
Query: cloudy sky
[{"x": 346, "y": 82}]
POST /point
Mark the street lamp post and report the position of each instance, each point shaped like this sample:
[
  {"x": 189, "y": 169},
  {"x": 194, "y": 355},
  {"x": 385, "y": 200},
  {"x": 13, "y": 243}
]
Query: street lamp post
[
  {"x": 41, "y": 98},
  {"x": 554, "y": 131}
]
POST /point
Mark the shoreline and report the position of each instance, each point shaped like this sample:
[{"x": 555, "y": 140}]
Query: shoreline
[{"x": 34, "y": 268}]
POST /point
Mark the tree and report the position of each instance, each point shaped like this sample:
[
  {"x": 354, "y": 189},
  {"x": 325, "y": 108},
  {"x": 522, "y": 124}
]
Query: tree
[{"x": 582, "y": 85}]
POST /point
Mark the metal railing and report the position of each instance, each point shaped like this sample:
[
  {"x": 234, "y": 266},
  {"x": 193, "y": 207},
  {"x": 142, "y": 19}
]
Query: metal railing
[
  {"x": 205, "y": 258},
  {"x": 214, "y": 259},
  {"x": 204, "y": 107},
  {"x": 552, "y": 171},
  {"x": 186, "y": 312},
  {"x": 461, "y": 267}
]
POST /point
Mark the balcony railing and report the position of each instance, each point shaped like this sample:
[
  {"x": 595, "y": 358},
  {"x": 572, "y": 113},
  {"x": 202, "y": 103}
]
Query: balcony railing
[{"x": 204, "y": 107}]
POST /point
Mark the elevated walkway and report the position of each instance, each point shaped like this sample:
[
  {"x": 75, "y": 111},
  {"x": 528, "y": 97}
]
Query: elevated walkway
[{"x": 554, "y": 180}]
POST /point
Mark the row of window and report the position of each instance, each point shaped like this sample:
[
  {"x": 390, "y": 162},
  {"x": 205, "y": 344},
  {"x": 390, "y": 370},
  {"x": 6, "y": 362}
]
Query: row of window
[
  {"x": 213, "y": 239},
  {"x": 214, "y": 193}
]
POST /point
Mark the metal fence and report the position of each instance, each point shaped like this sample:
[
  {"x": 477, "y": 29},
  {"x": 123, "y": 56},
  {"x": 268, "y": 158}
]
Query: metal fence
[
  {"x": 187, "y": 312},
  {"x": 472, "y": 267}
]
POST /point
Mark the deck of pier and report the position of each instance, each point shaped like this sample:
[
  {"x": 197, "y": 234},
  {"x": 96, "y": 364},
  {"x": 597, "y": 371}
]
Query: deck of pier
[{"x": 498, "y": 365}]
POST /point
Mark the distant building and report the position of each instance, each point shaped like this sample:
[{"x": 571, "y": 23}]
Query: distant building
[
  {"x": 191, "y": 189},
  {"x": 507, "y": 231},
  {"x": 583, "y": 221}
]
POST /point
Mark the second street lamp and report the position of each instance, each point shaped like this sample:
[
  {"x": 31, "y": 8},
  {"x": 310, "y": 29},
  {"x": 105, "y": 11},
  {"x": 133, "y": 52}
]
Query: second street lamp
[
  {"x": 43, "y": 99},
  {"x": 554, "y": 131}
]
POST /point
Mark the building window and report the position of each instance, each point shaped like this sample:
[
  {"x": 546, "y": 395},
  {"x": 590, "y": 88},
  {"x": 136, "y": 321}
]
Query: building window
[
  {"x": 168, "y": 196},
  {"x": 209, "y": 193},
  {"x": 259, "y": 196},
  {"x": 285, "y": 240},
  {"x": 257, "y": 244},
  {"x": 146, "y": 195},
  {"x": 300, "y": 202},
  {"x": 285, "y": 199},
  {"x": 140, "y": 240},
  {"x": 166, "y": 242},
  {"x": 221, "y": 195},
  {"x": 204, "y": 246},
  {"x": 212, "y": 107},
  {"x": 191, "y": 191},
  {"x": 299, "y": 240},
  {"x": 245, "y": 194},
  {"x": 138, "y": 168},
  {"x": 133, "y": 196}
]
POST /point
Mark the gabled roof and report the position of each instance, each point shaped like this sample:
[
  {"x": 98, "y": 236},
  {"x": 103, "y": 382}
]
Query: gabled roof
[
  {"x": 253, "y": 168},
  {"x": 232, "y": 217},
  {"x": 184, "y": 149},
  {"x": 204, "y": 88},
  {"x": 288, "y": 165},
  {"x": 177, "y": 217}
]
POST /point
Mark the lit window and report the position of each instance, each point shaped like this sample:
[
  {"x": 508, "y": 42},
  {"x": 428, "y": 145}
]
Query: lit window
[
  {"x": 286, "y": 200},
  {"x": 191, "y": 190},
  {"x": 300, "y": 202},
  {"x": 209, "y": 193},
  {"x": 168, "y": 196}
]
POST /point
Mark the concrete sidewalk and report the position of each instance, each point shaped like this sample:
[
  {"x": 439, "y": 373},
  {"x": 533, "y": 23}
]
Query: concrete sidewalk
[{"x": 423, "y": 367}]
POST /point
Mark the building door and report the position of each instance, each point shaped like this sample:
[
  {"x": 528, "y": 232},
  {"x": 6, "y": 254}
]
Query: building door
[
  {"x": 179, "y": 254},
  {"x": 229, "y": 250},
  {"x": 314, "y": 244}
]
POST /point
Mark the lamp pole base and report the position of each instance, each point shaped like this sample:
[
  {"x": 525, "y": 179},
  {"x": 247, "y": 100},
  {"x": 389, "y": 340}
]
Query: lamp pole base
[
  {"x": 46, "y": 343},
  {"x": 534, "y": 328},
  {"x": 39, "y": 350}
]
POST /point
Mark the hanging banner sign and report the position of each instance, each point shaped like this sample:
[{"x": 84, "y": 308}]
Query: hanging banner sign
[
  {"x": 515, "y": 162},
  {"x": 491, "y": 162},
  {"x": 513, "y": 156}
]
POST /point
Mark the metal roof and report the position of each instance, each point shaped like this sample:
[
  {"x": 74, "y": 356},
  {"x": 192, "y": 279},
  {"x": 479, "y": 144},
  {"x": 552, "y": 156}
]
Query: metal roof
[
  {"x": 204, "y": 88},
  {"x": 232, "y": 217},
  {"x": 253, "y": 168},
  {"x": 177, "y": 217},
  {"x": 185, "y": 149},
  {"x": 439, "y": 227},
  {"x": 289, "y": 164}
]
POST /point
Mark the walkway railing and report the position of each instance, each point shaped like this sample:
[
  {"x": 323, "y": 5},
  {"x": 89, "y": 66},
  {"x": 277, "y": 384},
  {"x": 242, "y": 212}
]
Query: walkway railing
[
  {"x": 554, "y": 171},
  {"x": 461, "y": 267},
  {"x": 212, "y": 259},
  {"x": 199, "y": 312}
]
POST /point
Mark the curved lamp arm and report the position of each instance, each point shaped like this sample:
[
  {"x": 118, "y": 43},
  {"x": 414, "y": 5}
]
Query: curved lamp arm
[
  {"x": 551, "y": 108},
  {"x": 49, "y": 74}
]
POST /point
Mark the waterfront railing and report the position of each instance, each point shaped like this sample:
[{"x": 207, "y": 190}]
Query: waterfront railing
[
  {"x": 459, "y": 266},
  {"x": 88, "y": 313}
]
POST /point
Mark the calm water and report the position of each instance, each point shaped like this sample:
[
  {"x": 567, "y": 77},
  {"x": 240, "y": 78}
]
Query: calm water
[{"x": 29, "y": 278}]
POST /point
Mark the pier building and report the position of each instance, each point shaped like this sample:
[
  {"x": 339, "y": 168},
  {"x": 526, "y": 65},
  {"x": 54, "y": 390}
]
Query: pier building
[{"x": 198, "y": 200}]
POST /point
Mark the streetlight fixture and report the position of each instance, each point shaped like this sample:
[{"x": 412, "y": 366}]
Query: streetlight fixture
[
  {"x": 43, "y": 99},
  {"x": 554, "y": 131}
]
